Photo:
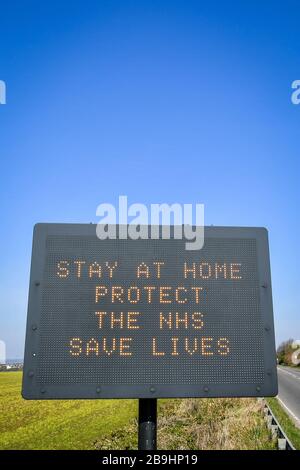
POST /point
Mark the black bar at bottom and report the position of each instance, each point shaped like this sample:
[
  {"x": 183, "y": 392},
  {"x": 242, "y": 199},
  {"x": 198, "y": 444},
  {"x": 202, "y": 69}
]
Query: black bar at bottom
[{"x": 147, "y": 423}]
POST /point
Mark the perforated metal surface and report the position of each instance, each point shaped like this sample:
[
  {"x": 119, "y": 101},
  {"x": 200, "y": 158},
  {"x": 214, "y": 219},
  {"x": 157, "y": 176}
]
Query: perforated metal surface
[{"x": 211, "y": 337}]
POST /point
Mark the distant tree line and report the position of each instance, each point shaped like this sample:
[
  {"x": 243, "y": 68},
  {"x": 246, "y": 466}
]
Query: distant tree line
[{"x": 285, "y": 351}]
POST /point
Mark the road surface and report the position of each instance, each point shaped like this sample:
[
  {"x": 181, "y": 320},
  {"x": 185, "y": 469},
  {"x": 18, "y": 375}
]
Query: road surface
[{"x": 289, "y": 391}]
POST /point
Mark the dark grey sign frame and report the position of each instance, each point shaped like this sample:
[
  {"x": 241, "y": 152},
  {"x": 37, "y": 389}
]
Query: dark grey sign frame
[{"x": 32, "y": 390}]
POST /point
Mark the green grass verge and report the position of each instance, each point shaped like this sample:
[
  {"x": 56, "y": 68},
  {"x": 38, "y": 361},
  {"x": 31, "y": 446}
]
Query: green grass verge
[
  {"x": 58, "y": 424},
  {"x": 292, "y": 432},
  {"x": 112, "y": 424},
  {"x": 215, "y": 423}
]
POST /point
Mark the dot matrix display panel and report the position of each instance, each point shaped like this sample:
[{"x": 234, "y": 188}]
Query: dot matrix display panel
[{"x": 148, "y": 318}]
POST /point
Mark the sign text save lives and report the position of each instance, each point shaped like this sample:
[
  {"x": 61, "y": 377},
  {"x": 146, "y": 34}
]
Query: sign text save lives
[{"x": 146, "y": 318}]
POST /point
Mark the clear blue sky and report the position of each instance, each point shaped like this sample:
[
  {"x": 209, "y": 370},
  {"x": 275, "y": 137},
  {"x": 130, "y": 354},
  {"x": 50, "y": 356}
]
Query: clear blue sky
[{"x": 165, "y": 101}]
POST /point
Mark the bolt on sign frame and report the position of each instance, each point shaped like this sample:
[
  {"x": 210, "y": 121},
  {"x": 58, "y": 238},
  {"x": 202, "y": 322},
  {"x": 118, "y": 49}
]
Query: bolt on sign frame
[{"x": 121, "y": 318}]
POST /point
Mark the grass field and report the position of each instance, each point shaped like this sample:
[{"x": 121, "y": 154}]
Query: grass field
[
  {"x": 111, "y": 424},
  {"x": 61, "y": 424}
]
